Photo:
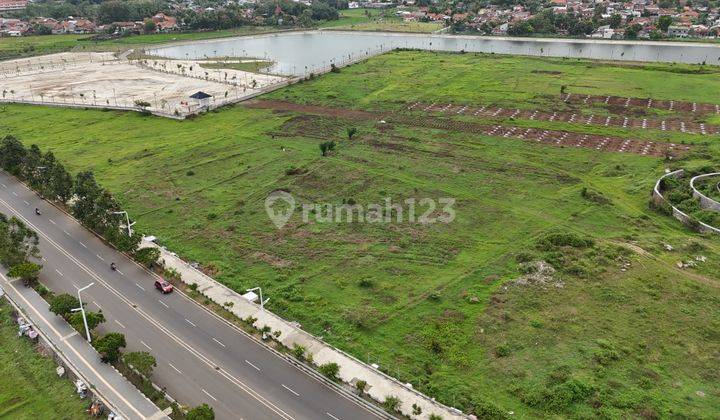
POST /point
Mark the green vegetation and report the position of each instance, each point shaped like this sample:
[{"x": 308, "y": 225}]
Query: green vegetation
[
  {"x": 377, "y": 20},
  {"x": 255, "y": 66},
  {"x": 30, "y": 387},
  {"x": 13, "y": 47},
  {"x": 550, "y": 294}
]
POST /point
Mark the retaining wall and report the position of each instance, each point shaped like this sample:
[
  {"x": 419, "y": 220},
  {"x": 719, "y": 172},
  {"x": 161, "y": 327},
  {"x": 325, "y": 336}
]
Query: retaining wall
[
  {"x": 677, "y": 213},
  {"x": 705, "y": 201}
]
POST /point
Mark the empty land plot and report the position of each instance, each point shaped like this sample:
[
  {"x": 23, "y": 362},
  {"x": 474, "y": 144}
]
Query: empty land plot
[
  {"x": 100, "y": 79},
  {"x": 611, "y": 333}
]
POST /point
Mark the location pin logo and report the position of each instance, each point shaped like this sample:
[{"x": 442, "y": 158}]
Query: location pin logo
[{"x": 279, "y": 213}]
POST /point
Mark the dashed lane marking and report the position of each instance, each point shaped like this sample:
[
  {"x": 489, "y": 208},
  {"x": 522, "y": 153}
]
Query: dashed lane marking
[
  {"x": 288, "y": 388},
  {"x": 208, "y": 394},
  {"x": 255, "y": 367}
]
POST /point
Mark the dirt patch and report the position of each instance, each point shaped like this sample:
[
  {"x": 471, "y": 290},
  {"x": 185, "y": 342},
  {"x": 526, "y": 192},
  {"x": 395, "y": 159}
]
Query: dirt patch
[
  {"x": 548, "y": 137},
  {"x": 272, "y": 260}
]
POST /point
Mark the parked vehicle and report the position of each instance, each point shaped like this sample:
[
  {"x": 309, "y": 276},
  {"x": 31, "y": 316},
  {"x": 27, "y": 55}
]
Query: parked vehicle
[{"x": 164, "y": 286}]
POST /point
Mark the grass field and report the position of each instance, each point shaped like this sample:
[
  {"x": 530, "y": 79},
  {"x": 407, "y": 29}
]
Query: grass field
[
  {"x": 619, "y": 331},
  {"x": 377, "y": 20},
  {"x": 30, "y": 388},
  {"x": 12, "y": 47}
]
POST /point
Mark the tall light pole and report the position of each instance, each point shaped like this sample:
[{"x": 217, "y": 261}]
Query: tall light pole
[
  {"x": 127, "y": 221},
  {"x": 82, "y": 311},
  {"x": 262, "y": 302}
]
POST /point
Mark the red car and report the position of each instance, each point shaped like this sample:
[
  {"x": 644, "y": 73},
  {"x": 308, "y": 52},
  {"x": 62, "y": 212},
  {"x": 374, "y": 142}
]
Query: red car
[{"x": 164, "y": 286}]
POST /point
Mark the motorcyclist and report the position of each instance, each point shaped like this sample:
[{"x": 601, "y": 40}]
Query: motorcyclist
[
  {"x": 37, "y": 211},
  {"x": 113, "y": 267}
]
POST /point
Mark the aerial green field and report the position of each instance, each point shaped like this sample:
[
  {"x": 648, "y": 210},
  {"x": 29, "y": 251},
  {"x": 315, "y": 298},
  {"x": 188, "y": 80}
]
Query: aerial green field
[
  {"x": 377, "y": 20},
  {"x": 30, "y": 388},
  {"x": 13, "y": 47},
  {"x": 613, "y": 329}
]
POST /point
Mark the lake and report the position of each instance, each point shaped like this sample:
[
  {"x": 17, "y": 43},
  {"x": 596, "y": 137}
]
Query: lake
[{"x": 301, "y": 53}]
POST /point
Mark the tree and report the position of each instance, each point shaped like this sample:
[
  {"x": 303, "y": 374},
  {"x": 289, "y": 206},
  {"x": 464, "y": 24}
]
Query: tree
[
  {"x": 94, "y": 319},
  {"x": 147, "y": 256},
  {"x": 26, "y": 271},
  {"x": 149, "y": 26},
  {"x": 17, "y": 242},
  {"x": 664, "y": 22},
  {"x": 142, "y": 361},
  {"x": 201, "y": 412},
  {"x": 12, "y": 153},
  {"x": 109, "y": 346},
  {"x": 632, "y": 31},
  {"x": 63, "y": 304},
  {"x": 61, "y": 184},
  {"x": 615, "y": 21}
]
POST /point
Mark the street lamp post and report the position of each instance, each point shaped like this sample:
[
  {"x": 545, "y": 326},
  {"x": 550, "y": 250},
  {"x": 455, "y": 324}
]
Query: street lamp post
[
  {"x": 262, "y": 302},
  {"x": 127, "y": 221},
  {"x": 82, "y": 311}
]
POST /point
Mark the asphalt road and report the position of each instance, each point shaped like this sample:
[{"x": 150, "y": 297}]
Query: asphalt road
[{"x": 200, "y": 357}]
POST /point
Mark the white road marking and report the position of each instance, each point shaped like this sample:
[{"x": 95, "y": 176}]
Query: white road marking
[
  {"x": 26, "y": 203},
  {"x": 72, "y": 334},
  {"x": 14, "y": 193},
  {"x": 143, "y": 343},
  {"x": 176, "y": 369},
  {"x": 218, "y": 341},
  {"x": 163, "y": 303},
  {"x": 58, "y": 271},
  {"x": 332, "y": 417},
  {"x": 190, "y": 322},
  {"x": 208, "y": 394},
  {"x": 101, "y": 258},
  {"x": 83, "y": 245},
  {"x": 288, "y": 388},
  {"x": 264, "y": 401},
  {"x": 248, "y": 362},
  {"x": 120, "y": 272},
  {"x": 141, "y": 288},
  {"x": 98, "y": 306},
  {"x": 4, "y": 186},
  {"x": 66, "y": 232},
  {"x": 119, "y": 323},
  {"x": 52, "y": 221}
]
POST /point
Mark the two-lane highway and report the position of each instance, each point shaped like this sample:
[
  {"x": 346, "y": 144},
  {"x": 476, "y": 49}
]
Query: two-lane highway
[{"x": 200, "y": 357}]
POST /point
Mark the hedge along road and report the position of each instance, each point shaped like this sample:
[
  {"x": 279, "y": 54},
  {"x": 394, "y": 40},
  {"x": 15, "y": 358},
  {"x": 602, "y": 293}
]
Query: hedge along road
[{"x": 200, "y": 358}]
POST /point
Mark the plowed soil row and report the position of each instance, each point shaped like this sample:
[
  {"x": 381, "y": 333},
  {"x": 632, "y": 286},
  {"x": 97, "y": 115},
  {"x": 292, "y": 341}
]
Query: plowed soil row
[
  {"x": 679, "y": 125},
  {"x": 677, "y": 106},
  {"x": 548, "y": 137}
]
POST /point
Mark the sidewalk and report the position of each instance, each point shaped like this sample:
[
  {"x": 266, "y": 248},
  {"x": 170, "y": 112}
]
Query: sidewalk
[
  {"x": 379, "y": 385},
  {"x": 102, "y": 379}
]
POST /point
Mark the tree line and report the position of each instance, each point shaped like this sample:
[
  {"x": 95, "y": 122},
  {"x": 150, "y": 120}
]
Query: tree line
[{"x": 88, "y": 202}]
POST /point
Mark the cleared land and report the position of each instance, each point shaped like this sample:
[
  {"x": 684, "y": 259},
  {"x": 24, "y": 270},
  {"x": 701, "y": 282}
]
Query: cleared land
[
  {"x": 616, "y": 331},
  {"x": 103, "y": 80},
  {"x": 30, "y": 388}
]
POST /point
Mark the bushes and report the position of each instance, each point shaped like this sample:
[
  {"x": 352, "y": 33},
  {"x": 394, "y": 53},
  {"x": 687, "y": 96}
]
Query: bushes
[
  {"x": 147, "y": 256},
  {"x": 559, "y": 239},
  {"x": 201, "y": 412},
  {"x": 330, "y": 370},
  {"x": 391, "y": 403}
]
